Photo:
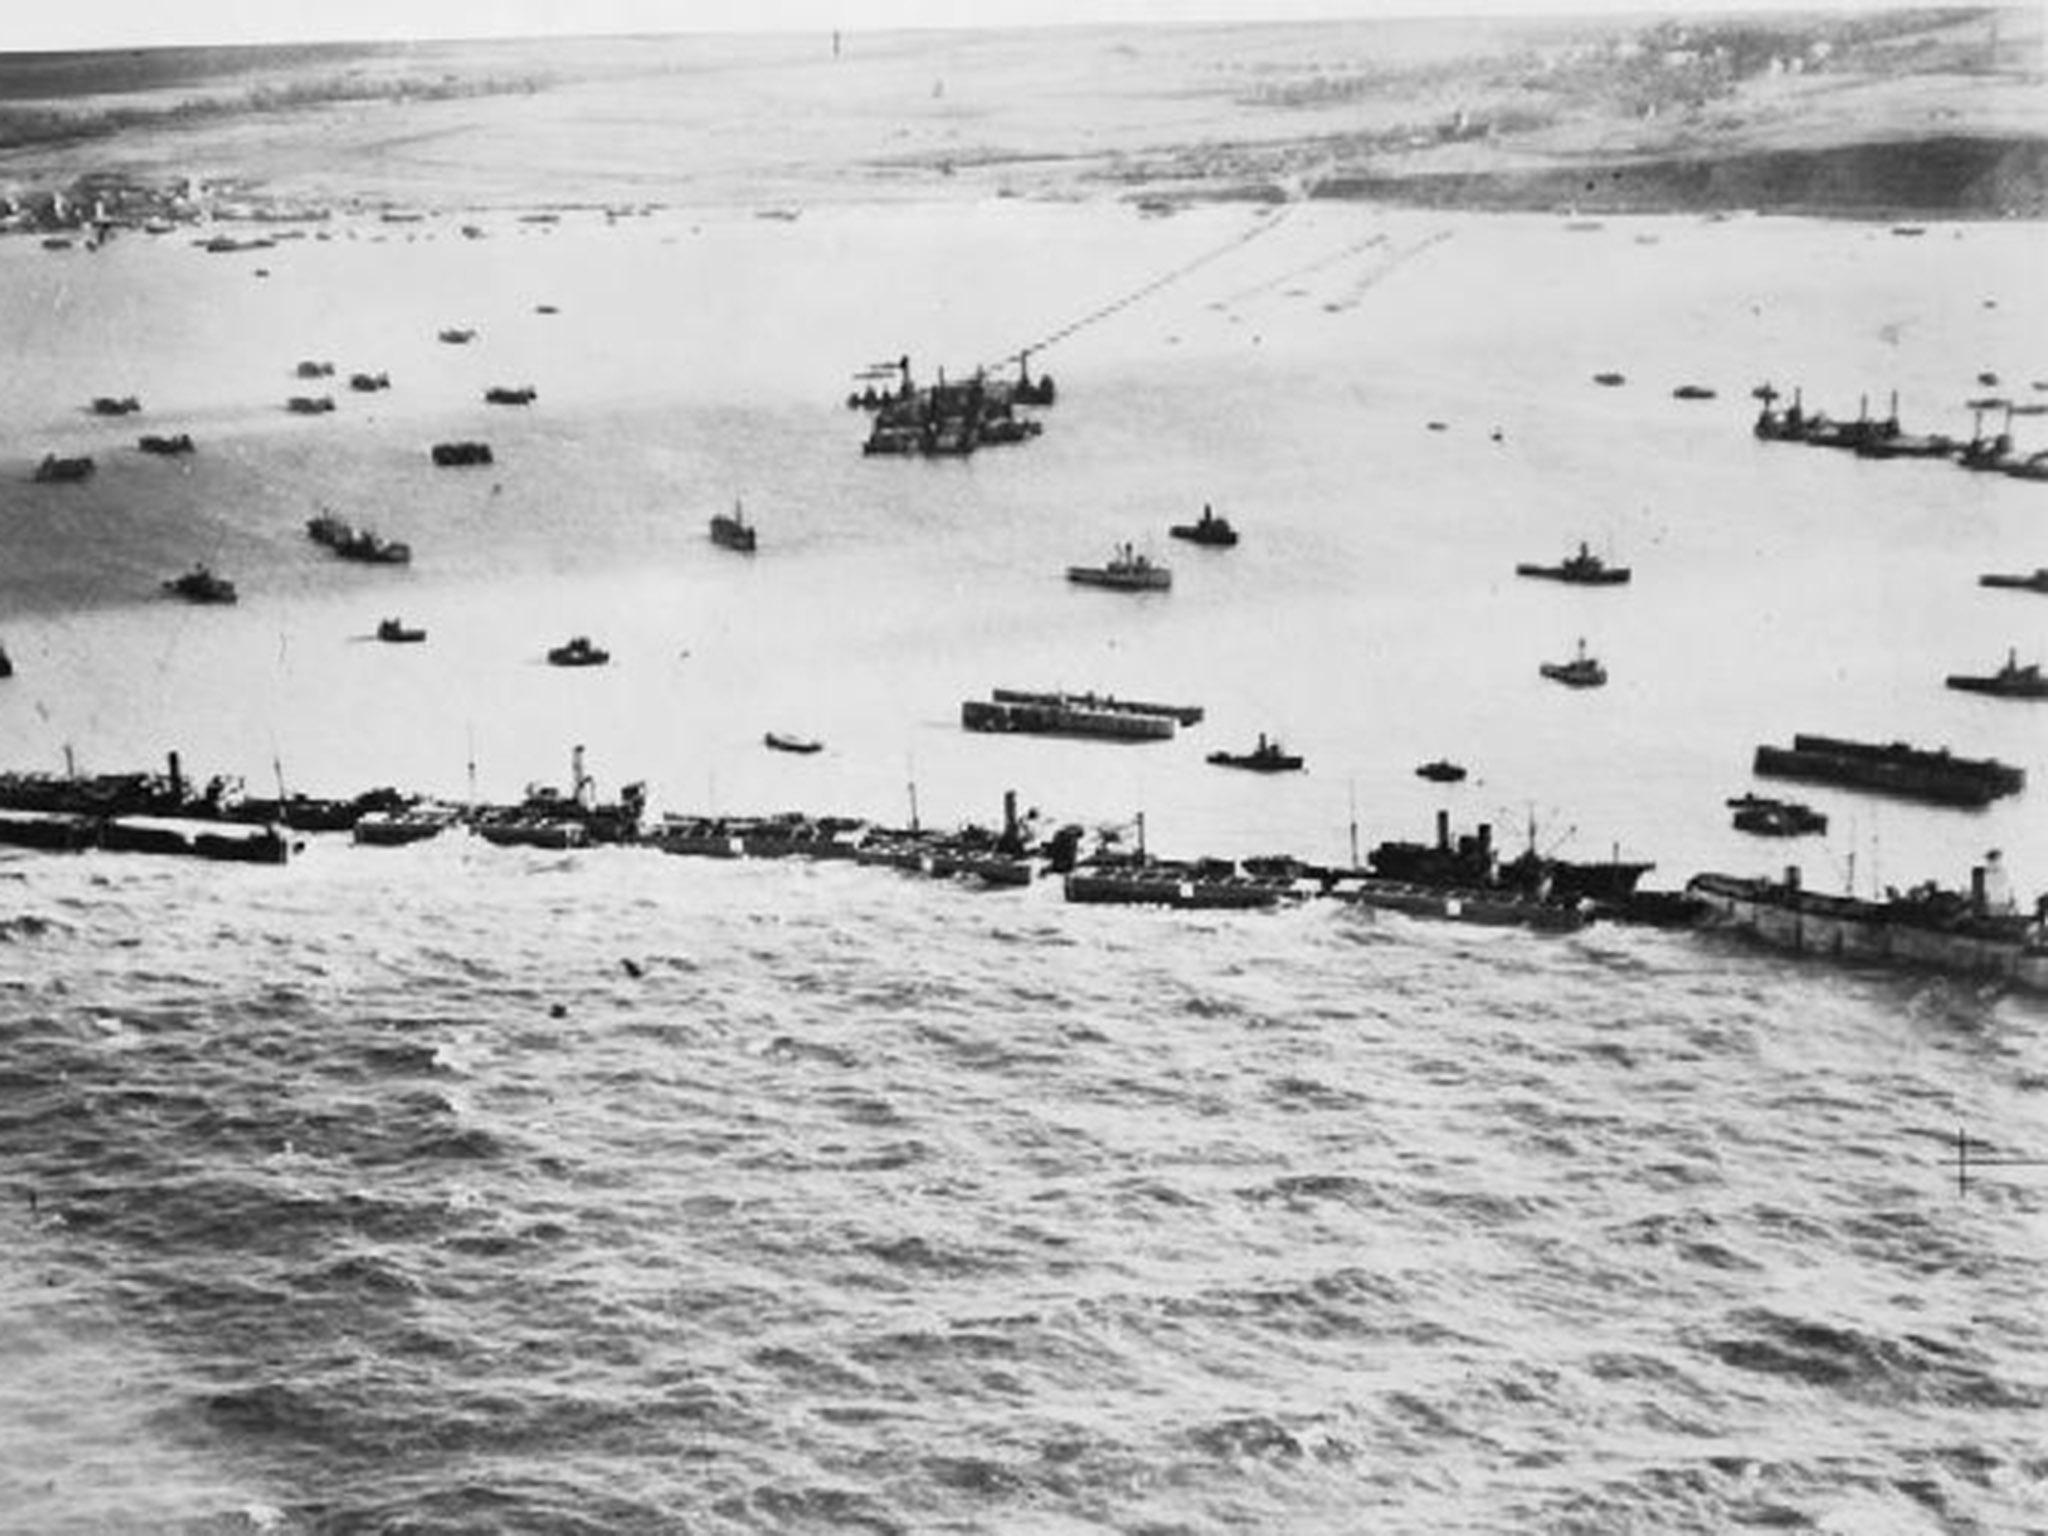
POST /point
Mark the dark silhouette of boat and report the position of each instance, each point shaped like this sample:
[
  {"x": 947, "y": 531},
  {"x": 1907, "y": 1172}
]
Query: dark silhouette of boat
[
  {"x": 781, "y": 741},
  {"x": 411, "y": 823},
  {"x": 396, "y": 632},
  {"x": 457, "y": 336},
  {"x": 1472, "y": 863},
  {"x": 312, "y": 370},
  {"x": 1980, "y": 933},
  {"x": 1582, "y": 671},
  {"x": 1611, "y": 380},
  {"x": 731, "y": 530},
  {"x": 947, "y": 419},
  {"x": 1065, "y": 715},
  {"x": 1127, "y": 571},
  {"x": 327, "y": 529},
  {"x": 200, "y": 585},
  {"x": 578, "y": 652},
  {"x": 1775, "y": 818},
  {"x": 1441, "y": 771},
  {"x": 505, "y": 394},
  {"x": 1182, "y": 714},
  {"x": 449, "y": 455},
  {"x": 310, "y": 405},
  {"x": 54, "y": 468},
  {"x": 369, "y": 383},
  {"x": 109, "y": 405},
  {"x": 1266, "y": 757},
  {"x": 6, "y": 663},
  {"x": 153, "y": 443},
  {"x": 2036, "y": 582},
  {"x": 1208, "y": 529},
  {"x": 1582, "y": 569},
  {"x": 1692, "y": 392},
  {"x": 367, "y": 548},
  {"x": 1913, "y": 773},
  {"x": 2011, "y": 681}
]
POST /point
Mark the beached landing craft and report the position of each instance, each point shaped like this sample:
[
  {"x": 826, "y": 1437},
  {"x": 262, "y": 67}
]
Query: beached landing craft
[
  {"x": 1582, "y": 671},
  {"x": 1584, "y": 569},
  {"x": 2011, "y": 681},
  {"x": 731, "y": 530},
  {"x": 1127, "y": 571}
]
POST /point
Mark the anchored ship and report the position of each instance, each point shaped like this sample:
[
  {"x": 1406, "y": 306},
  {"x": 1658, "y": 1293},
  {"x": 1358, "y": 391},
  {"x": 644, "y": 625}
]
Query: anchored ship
[
  {"x": 2011, "y": 681},
  {"x": 1897, "y": 769},
  {"x": 1584, "y": 569},
  {"x": 1127, "y": 571}
]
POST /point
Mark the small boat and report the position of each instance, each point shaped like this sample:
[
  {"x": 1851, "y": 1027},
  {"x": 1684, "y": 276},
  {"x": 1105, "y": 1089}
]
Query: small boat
[
  {"x": 731, "y": 530},
  {"x": 154, "y": 443},
  {"x": 578, "y": 652},
  {"x": 395, "y": 632},
  {"x": 309, "y": 405},
  {"x": 313, "y": 370},
  {"x": 505, "y": 394},
  {"x": 1584, "y": 569},
  {"x": 369, "y": 383},
  {"x": 108, "y": 405},
  {"x": 2011, "y": 681},
  {"x": 545, "y": 309},
  {"x": 368, "y": 549},
  {"x": 1128, "y": 571},
  {"x": 2037, "y": 582},
  {"x": 456, "y": 335},
  {"x": 1775, "y": 818},
  {"x": 58, "y": 469},
  {"x": 455, "y": 454},
  {"x": 200, "y": 585},
  {"x": 1582, "y": 671},
  {"x": 782, "y": 742},
  {"x": 1611, "y": 380},
  {"x": 329, "y": 530},
  {"x": 1266, "y": 757},
  {"x": 409, "y": 824},
  {"x": 1441, "y": 771},
  {"x": 1692, "y": 392},
  {"x": 1208, "y": 529}
]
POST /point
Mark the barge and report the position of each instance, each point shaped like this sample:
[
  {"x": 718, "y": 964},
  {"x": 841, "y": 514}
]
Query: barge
[{"x": 1913, "y": 773}]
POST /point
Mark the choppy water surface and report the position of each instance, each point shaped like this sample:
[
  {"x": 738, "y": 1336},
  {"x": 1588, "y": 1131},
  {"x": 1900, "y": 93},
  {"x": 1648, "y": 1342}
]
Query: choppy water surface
[{"x": 458, "y": 1189}]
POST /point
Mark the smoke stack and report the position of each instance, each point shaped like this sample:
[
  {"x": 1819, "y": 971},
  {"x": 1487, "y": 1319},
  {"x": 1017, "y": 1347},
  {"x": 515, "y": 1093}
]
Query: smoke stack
[
  {"x": 1443, "y": 831},
  {"x": 177, "y": 777},
  {"x": 1791, "y": 877},
  {"x": 1977, "y": 888},
  {"x": 1009, "y": 813},
  {"x": 1486, "y": 840}
]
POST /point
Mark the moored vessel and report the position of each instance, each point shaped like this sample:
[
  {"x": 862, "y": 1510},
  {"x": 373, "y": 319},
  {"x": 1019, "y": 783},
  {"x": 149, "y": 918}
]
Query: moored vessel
[
  {"x": 200, "y": 585},
  {"x": 1774, "y": 818},
  {"x": 1265, "y": 757},
  {"x": 1582, "y": 671},
  {"x": 397, "y": 632},
  {"x": 2037, "y": 581},
  {"x": 2011, "y": 681},
  {"x": 1584, "y": 569},
  {"x": 731, "y": 530},
  {"x": 783, "y": 741},
  {"x": 1126, "y": 571},
  {"x": 1208, "y": 529},
  {"x": 1916, "y": 773},
  {"x": 577, "y": 651}
]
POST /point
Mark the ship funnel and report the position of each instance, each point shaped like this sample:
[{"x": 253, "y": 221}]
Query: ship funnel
[
  {"x": 177, "y": 777},
  {"x": 1486, "y": 840},
  {"x": 1977, "y": 888},
  {"x": 1443, "y": 831},
  {"x": 1791, "y": 877}
]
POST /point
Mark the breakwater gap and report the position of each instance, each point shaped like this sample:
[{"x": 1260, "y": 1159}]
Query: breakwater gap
[{"x": 1462, "y": 878}]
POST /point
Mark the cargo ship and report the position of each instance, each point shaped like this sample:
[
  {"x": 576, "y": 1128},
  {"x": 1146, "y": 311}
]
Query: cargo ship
[
  {"x": 1897, "y": 769},
  {"x": 1979, "y": 933},
  {"x": 1471, "y": 862}
]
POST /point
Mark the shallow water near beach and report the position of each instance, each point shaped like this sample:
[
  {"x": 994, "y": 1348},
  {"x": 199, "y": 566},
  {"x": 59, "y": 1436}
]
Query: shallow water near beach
[{"x": 463, "y": 1189}]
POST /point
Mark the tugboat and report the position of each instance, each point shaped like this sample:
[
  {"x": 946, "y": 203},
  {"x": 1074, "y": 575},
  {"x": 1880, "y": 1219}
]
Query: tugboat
[
  {"x": 783, "y": 742},
  {"x": 1129, "y": 571},
  {"x": 395, "y": 632},
  {"x": 1210, "y": 529},
  {"x": 1584, "y": 569},
  {"x": 1266, "y": 757},
  {"x": 2011, "y": 681},
  {"x": 199, "y": 585},
  {"x": 731, "y": 530},
  {"x": 2037, "y": 582},
  {"x": 1582, "y": 671},
  {"x": 578, "y": 652},
  {"x": 1775, "y": 818},
  {"x": 1692, "y": 392},
  {"x": 1441, "y": 771}
]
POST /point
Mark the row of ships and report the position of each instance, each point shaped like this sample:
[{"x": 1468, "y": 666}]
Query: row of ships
[{"x": 1468, "y": 878}]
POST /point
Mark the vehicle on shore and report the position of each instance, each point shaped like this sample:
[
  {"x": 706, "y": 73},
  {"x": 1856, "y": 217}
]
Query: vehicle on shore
[{"x": 1126, "y": 571}]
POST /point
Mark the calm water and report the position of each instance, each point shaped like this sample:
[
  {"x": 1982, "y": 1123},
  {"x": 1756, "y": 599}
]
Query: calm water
[{"x": 383, "y": 1194}]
